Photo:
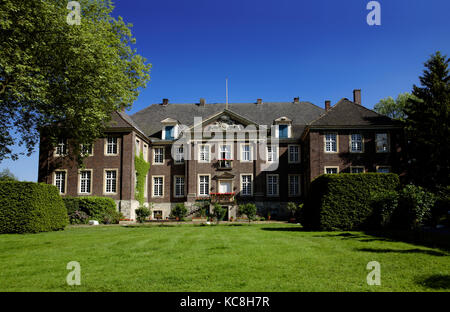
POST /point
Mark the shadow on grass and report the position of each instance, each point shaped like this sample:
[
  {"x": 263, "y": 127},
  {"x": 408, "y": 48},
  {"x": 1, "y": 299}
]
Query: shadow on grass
[
  {"x": 285, "y": 229},
  {"x": 404, "y": 251},
  {"x": 435, "y": 281}
]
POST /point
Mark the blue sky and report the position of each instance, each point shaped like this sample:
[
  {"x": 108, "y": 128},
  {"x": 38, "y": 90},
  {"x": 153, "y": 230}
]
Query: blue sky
[{"x": 277, "y": 50}]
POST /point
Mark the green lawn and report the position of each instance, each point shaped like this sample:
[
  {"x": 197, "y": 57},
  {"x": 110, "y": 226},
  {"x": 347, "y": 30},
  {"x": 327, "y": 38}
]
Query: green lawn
[{"x": 260, "y": 257}]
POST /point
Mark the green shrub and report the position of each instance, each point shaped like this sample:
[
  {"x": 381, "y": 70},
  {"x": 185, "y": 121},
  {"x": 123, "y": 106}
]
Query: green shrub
[
  {"x": 383, "y": 205},
  {"x": 414, "y": 209},
  {"x": 72, "y": 204},
  {"x": 439, "y": 213},
  {"x": 219, "y": 212},
  {"x": 142, "y": 213},
  {"x": 249, "y": 210},
  {"x": 179, "y": 211},
  {"x": 102, "y": 209},
  {"x": 343, "y": 201},
  {"x": 27, "y": 207},
  {"x": 78, "y": 217}
]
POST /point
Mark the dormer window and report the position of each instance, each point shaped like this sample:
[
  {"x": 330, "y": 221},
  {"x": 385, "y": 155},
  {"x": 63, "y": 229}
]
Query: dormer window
[
  {"x": 283, "y": 131},
  {"x": 169, "y": 132},
  {"x": 170, "y": 129},
  {"x": 283, "y": 128}
]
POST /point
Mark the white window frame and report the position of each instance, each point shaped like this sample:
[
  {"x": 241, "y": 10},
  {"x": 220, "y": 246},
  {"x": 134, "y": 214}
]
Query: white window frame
[
  {"x": 359, "y": 167},
  {"x": 350, "y": 139},
  {"x": 112, "y": 144},
  {"x": 137, "y": 146},
  {"x": 91, "y": 153},
  {"x": 65, "y": 180},
  {"x": 175, "y": 131},
  {"x": 230, "y": 151},
  {"x": 80, "y": 172},
  {"x": 154, "y": 155},
  {"x": 153, "y": 186},
  {"x": 200, "y": 153},
  {"x": 250, "y": 152},
  {"x": 388, "y": 142},
  {"x": 62, "y": 144},
  {"x": 274, "y": 153},
  {"x": 177, "y": 158},
  {"x": 277, "y": 130},
  {"x": 145, "y": 152},
  {"x": 175, "y": 186},
  {"x": 242, "y": 184},
  {"x": 331, "y": 167},
  {"x": 199, "y": 194},
  {"x": 325, "y": 142},
  {"x": 378, "y": 167},
  {"x": 299, "y": 188},
  {"x": 290, "y": 161},
  {"x": 105, "y": 181},
  {"x": 278, "y": 185}
]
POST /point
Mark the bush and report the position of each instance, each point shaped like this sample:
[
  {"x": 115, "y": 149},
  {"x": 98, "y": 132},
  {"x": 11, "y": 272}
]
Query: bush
[
  {"x": 102, "y": 209},
  {"x": 383, "y": 205},
  {"x": 78, "y": 217},
  {"x": 27, "y": 207},
  {"x": 142, "y": 213},
  {"x": 219, "y": 212},
  {"x": 249, "y": 210},
  {"x": 179, "y": 211},
  {"x": 414, "y": 209},
  {"x": 343, "y": 201},
  {"x": 439, "y": 213}
]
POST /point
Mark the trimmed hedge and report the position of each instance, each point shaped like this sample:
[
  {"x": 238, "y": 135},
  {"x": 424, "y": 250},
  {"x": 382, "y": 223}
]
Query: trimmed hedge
[
  {"x": 102, "y": 209},
  {"x": 27, "y": 207},
  {"x": 344, "y": 201}
]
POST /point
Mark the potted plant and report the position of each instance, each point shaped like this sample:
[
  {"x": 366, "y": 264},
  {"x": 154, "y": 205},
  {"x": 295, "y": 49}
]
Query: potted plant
[{"x": 268, "y": 215}]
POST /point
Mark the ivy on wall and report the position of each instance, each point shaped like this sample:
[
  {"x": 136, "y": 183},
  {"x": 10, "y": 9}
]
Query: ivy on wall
[{"x": 142, "y": 167}]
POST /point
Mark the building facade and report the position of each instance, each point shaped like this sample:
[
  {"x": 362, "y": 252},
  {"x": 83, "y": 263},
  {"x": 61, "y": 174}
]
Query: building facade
[{"x": 266, "y": 153}]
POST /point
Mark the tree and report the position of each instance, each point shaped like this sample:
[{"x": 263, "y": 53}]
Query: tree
[
  {"x": 295, "y": 209},
  {"x": 142, "y": 213},
  {"x": 7, "y": 175},
  {"x": 428, "y": 125},
  {"x": 179, "y": 211},
  {"x": 219, "y": 212},
  {"x": 249, "y": 210},
  {"x": 53, "y": 73},
  {"x": 394, "y": 109}
]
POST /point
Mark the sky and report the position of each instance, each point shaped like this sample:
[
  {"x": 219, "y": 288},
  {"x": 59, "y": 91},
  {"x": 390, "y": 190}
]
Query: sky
[{"x": 277, "y": 50}]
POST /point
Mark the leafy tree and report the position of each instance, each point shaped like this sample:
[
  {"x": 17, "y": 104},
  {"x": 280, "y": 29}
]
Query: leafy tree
[
  {"x": 428, "y": 125},
  {"x": 249, "y": 210},
  {"x": 142, "y": 213},
  {"x": 219, "y": 212},
  {"x": 179, "y": 211},
  {"x": 53, "y": 73},
  {"x": 7, "y": 175},
  {"x": 394, "y": 108}
]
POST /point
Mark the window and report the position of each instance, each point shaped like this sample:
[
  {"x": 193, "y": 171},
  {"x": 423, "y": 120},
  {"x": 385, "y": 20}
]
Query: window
[
  {"x": 85, "y": 181},
  {"x": 283, "y": 131},
  {"x": 294, "y": 154},
  {"x": 145, "y": 152},
  {"x": 157, "y": 214},
  {"x": 138, "y": 147},
  {"x": 86, "y": 150},
  {"x": 169, "y": 132},
  {"x": 179, "y": 186},
  {"x": 61, "y": 148},
  {"x": 246, "y": 152},
  {"x": 272, "y": 153},
  {"x": 110, "y": 181},
  {"x": 158, "y": 155},
  {"x": 158, "y": 186},
  {"x": 331, "y": 142},
  {"x": 179, "y": 154},
  {"x": 356, "y": 143},
  {"x": 382, "y": 142},
  {"x": 357, "y": 169},
  {"x": 203, "y": 185},
  {"x": 246, "y": 185},
  {"x": 111, "y": 146},
  {"x": 225, "y": 152},
  {"x": 272, "y": 185},
  {"x": 383, "y": 169},
  {"x": 60, "y": 181},
  {"x": 204, "y": 153},
  {"x": 294, "y": 185},
  {"x": 331, "y": 170}
]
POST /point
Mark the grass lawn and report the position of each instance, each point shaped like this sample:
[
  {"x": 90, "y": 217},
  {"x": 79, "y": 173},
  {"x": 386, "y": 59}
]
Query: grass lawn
[{"x": 259, "y": 257}]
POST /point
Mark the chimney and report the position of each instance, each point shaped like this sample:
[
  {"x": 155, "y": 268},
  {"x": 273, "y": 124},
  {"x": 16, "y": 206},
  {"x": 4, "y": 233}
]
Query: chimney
[
  {"x": 327, "y": 105},
  {"x": 296, "y": 100},
  {"x": 202, "y": 102},
  {"x": 165, "y": 102},
  {"x": 259, "y": 101},
  {"x": 357, "y": 96}
]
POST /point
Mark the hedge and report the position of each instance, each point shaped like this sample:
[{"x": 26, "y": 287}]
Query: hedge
[
  {"x": 27, "y": 207},
  {"x": 343, "y": 201},
  {"x": 102, "y": 209}
]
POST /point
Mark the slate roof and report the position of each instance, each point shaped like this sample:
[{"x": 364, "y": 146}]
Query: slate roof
[
  {"x": 121, "y": 120},
  {"x": 346, "y": 113},
  {"x": 149, "y": 119}
]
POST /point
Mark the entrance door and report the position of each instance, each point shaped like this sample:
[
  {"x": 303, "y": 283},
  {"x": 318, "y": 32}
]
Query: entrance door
[{"x": 224, "y": 187}]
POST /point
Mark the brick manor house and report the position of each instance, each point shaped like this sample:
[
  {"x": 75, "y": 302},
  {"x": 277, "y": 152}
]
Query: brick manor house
[{"x": 272, "y": 151}]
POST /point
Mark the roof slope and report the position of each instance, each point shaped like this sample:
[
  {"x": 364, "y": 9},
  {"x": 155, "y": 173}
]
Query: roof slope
[
  {"x": 347, "y": 113},
  {"x": 149, "y": 119}
]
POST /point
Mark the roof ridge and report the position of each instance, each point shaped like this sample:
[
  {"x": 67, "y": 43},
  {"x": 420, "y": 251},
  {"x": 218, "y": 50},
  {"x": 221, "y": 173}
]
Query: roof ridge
[{"x": 329, "y": 110}]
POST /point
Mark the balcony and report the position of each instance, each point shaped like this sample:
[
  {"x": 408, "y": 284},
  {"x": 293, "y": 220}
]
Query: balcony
[
  {"x": 225, "y": 164},
  {"x": 222, "y": 198}
]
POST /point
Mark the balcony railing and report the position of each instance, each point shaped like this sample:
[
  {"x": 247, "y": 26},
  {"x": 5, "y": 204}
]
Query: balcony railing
[
  {"x": 222, "y": 197},
  {"x": 225, "y": 163}
]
